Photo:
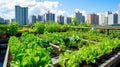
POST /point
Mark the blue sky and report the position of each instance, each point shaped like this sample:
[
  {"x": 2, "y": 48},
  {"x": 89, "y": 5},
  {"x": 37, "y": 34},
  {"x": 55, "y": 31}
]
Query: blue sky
[
  {"x": 59, "y": 7},
  {"x": 88, "y": 5}
]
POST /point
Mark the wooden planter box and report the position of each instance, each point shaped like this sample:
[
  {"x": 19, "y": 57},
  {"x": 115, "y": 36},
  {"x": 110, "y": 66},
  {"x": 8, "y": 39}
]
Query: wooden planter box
[
  {"x": 56, "y": 48},
  {"x": 6, "y": 57},
  {"x": 55, "y": 61},
  {"x": 112, "y": 62},
  {"x": 4, "y": 40},
  {"x": 4, "y": 63}
]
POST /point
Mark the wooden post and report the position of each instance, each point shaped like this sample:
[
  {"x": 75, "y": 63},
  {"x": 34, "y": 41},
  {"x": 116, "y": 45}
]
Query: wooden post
[{"x": 107, "y": 31}]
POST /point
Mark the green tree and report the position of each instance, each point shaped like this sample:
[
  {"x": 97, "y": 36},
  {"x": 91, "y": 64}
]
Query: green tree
[{"x": 74, "y": 21}]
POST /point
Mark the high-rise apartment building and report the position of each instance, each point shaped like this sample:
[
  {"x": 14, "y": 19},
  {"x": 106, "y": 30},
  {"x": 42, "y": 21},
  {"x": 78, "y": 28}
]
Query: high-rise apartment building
[
  {"x": 60, "y": 19},
  {"x": 7, "y": 21},
  {"x": 1, "y": 19},
  {"x": 68, "y": 20},
  {"x": 40, "y": 18},
  {"x": 79, "y": 17},
  {"x": 83, "y": 18},
  {"x": 104, "y": 18},
  {"x": 32, "y": 19},
  {"x": 112, "y": 19},
  {"x": 93, "y": 19},
  {"x": 12, "y": 20},
  {"x": 119, "y": 13},
  {"x": 21, "y": 15},
  {"x": 49, "y": 17}
]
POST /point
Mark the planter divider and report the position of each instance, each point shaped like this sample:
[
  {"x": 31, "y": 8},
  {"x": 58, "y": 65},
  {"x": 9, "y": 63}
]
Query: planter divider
[
  {"x": 54, "y": 45},
  {"x": 6, "y": 58},
  {"x": 90, "y": 41},
  {"x": 112, "y": 62},
  {"x": 55, "y": 61}
]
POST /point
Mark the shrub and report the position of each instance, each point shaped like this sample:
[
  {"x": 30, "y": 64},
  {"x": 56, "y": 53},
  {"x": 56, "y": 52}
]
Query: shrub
[
  {"x": 12, "y": 28},
  {"x": 52, "y": 27},
  {"x": 39, "y": 27},
  {"x": 3, "y": 28},
  {"x": 84, "y": 24},
  {"x": 64, "y": 27}
]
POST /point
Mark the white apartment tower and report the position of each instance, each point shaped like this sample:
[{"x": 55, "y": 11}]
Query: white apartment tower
[{"x": 119, "y": 13}]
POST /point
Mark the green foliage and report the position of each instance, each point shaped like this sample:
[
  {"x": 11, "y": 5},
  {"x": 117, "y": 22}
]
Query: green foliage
[
  {"x": 64, "y": 28},
  {"x": 2, "y": 23},
  {"x": 3, "y": 29},
  {"x": 12, "y": 28},
  {"x": 0, "y": 32},
  {"x": 33, "y": 50},
  {"x": 88, "y": 53},
  {"x": 114, "y": 34},
  {"x": 52, "y": 27},
  {"x": 70, "y": 59},
  {"x": 27, "y": 52},
  {"x": 74, "y": 21},
  {"x": 63, "y": 39},
  {"x": 50, "y": 22},
  {"x": 50, "y": 49},
  {"x": 39, "y": 27},
  {"x": 84, "y": 24}
]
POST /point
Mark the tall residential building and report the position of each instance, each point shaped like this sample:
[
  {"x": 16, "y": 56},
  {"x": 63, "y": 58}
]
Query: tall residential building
[
  {"x": 49, "y": 17},
  {"x": 119, "y": 13},
  {"x": 83, "y": 18},
  {"x": 32, "y": 19},
  {"x": 12, "y": 20},
  {"x": 7, "y": 21},
  {"x": 93, "y": 19},
  {"x": 68, "y": 20},
  {"x": 79, "y": 17},
  {"x": 104, "y": 18},
  {"x": 21, "y": 15},
  {"x": 40, "y": 18},
  {"x": 60, "y": 19},
  {"x": 112, "y": 19},
  {"x": 1, "y": 19}
]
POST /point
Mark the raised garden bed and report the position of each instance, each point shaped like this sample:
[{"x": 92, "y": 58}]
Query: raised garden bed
[
  {"x": 31, "y": 42},
  {"x": 110, "y": 60}
]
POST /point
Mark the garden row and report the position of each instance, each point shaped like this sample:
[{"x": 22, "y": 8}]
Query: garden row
[
  {"x": 35, "y": 50},
  {"x": 39, "y": 27},
  {"x": 88, "y": 54},
  {"x": 6, "y": 30}
]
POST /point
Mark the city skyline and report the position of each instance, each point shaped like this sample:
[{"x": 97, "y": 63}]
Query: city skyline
[{"x": 59, "y": 7}]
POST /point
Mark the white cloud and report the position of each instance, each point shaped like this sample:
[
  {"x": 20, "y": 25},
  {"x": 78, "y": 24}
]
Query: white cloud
[
  {"x": 62, "y": 12},
  {"x": 81, "y": 11},
  {"x": 115, "y": 12},
  {"x": 7, "y": 7},
  {"x": 78, "y": 10}
]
